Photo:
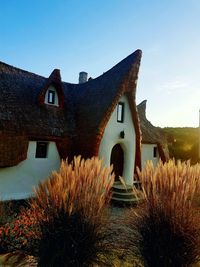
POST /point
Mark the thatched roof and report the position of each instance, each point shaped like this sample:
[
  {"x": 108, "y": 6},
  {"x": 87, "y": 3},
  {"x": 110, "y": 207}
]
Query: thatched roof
[
  {"x": 77, "y": 125},
  {"x": 150, "y": 133},
  {"x": 20, "y": 110},
  {"x": 96, "y": 100}
]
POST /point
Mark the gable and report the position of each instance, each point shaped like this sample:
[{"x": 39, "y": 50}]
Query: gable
[
  {"x": 151, "y": 134},
  {"x": 52, "y": 93},
  {"x": 120, "y": 130},
  {"x": 114, "y": 127},
  {"x": 96, "y": 100}
]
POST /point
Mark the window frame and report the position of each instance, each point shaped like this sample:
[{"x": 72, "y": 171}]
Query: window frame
[
  {"x": 53, "y": 94},
  {"x": 120, "y": 114},
  {"x": 39, "y": 153},
  {"x": 155, "y": 151}
]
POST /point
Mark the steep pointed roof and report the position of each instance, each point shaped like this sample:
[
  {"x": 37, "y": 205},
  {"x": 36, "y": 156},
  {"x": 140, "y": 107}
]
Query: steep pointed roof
[
  {"x": 96, "y": 99},
  {"x": 152, "y": 134},
  {"x": 82, "y": 116},
  {"x": 55, "y": 80},
  {"x": 19, "y": 108},
  {"x": 23, "y": 119}
]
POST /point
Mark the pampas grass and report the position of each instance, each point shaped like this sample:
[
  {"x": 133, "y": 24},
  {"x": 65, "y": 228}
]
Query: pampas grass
[
  {"x": 165, "y": 229},
  {"x": 72, "y": 203}
]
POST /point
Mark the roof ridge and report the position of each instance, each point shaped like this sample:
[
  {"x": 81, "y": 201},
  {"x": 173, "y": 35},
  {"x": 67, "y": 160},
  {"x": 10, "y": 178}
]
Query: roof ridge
[
  {"x": 19, "y": 69},
  {"x": 137, "y": 54},
  {"x": 131, "y": 59},
  {"x": 143, "y": 103}
]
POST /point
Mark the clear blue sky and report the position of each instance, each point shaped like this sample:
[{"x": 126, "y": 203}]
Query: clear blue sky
[{"x": 94, "y": 35}]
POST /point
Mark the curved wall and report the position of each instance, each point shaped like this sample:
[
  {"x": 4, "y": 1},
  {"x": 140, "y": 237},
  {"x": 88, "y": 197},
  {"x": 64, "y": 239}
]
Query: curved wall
[
  {"x": 17, "y": 182},
  {"x": 147, "y": 153},
  {"x": 111, "y": 137}
]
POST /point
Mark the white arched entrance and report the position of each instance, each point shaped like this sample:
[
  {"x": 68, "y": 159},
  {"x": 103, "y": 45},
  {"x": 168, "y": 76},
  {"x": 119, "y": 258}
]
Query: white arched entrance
[{"x": 112, "y": 139}]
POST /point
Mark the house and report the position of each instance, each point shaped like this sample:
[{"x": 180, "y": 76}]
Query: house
[
  {"x": 44, "y": 120},
  {"x": 154, "y": 143}
]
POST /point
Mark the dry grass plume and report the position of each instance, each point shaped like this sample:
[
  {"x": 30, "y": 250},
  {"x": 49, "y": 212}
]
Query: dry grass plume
[{"x": 165, "y": 229}]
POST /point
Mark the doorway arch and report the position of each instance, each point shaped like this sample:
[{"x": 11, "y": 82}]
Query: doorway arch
[{"x": 117, "y": 160}]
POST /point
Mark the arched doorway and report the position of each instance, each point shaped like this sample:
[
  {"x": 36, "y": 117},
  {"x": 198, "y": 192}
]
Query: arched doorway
[{"x": 117, "y": 160}]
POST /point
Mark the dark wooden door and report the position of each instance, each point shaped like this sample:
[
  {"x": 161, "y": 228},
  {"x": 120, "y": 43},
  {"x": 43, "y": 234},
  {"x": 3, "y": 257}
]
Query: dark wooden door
[{"x": 117, "y": 160}]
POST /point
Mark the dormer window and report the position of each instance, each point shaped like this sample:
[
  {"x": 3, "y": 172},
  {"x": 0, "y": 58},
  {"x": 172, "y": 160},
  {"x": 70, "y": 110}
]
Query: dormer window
[
  {"x": 51, "y": 97},
  {"x": 52, "y": 93},
  {"x": 120, "y": 112}
]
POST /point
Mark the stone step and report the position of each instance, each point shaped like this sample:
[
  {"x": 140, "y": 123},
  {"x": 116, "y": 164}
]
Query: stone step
[
  {"x": 124, "y": 193},
  {"x": 123, "y": 202},
  {"x": 122, "y": 189},
  {"x": 123, "y": 196},
  {"x": 117, "y": 183}
]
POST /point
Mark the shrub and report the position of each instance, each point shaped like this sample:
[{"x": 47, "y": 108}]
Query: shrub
[
  {"x": 73, "y": 201},
  {"x": 164, "y": 230},
  {"x": 21, "y": 234},
  {"x": 4, "y": 213},
  {"x": 10, "y": 209},
  {"x": 9, "y": 212}
]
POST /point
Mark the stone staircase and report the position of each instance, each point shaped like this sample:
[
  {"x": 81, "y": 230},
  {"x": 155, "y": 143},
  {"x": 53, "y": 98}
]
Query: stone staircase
[{"x": 123, "y": 195}]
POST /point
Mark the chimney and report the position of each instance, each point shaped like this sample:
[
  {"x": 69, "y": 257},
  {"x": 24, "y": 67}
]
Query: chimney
[{"x": 83, "y": 76}]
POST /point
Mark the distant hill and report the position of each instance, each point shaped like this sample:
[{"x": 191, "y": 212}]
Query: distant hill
[{"x": 183, "y": 143}]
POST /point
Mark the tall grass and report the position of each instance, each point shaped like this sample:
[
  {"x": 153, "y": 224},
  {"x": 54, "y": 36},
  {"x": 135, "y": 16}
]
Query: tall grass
[
  {"x": 165, "y": 229},
  {"x": 70, "y": 209}
]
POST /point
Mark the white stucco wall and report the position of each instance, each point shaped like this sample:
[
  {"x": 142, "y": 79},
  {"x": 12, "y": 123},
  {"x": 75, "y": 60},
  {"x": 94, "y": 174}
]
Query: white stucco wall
[
  {"x": 17, "y": 182},
  {"x": 147, "y": 154},
  {"x": 111, "y": 137},
  {"x": 46, "y": 96}
]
